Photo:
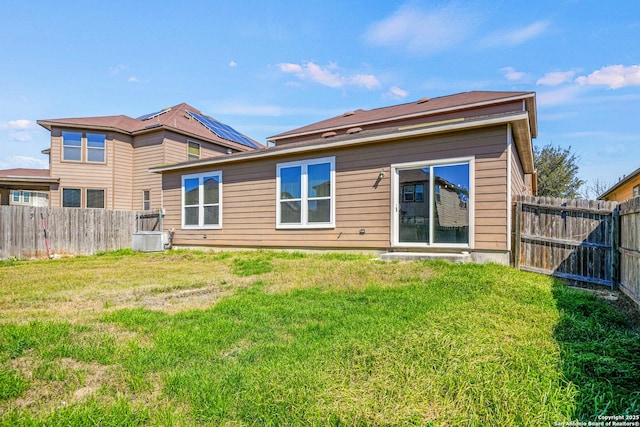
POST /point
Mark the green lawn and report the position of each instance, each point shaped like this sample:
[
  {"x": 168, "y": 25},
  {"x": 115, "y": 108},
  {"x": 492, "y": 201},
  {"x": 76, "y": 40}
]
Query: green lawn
[{"x": 275, "y": 338}]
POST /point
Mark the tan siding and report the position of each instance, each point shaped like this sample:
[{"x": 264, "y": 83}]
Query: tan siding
[
  {"x": 122, "y": 166},
  {"x": 625, "y": 191},
  {"x": 80, "y": 174},
  {"x": 249, "y": 195},
  {"x": 148, "y": 152}
]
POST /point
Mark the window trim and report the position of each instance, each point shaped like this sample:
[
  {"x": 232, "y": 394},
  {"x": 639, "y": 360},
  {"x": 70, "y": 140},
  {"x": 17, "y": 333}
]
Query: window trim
[
  {"x": 395, "y": 201},
  {"x": 146, "y": 200},
  {"x": 201, "y": 205},
  {"x": 62, "y": 197},
  {"x": 64, "y": 146},
  {"x": 103, "y": 149},
  {"x": 189, "y": 155},
  {"x": 86, "y": 197},
  {"x": 304, "y": 198}
]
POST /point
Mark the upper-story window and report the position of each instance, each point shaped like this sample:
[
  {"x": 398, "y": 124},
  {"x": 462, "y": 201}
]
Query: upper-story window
[
  {"x": 75, "y": 143},
  {"x": 193, "y": 150},
  {"x": 72, "y": 146},
  {"x": 636, "y": 191},
  {"x": 95, "y": 147}
]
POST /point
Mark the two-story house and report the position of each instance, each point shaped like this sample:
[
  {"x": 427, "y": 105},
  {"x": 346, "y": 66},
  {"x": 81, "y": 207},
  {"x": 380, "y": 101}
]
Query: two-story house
[{"x": 103, "y": 162}]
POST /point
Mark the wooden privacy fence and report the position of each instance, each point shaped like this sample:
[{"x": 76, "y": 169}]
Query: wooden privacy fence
[
  {"x": 70, "y": 231},
  {"x": 570, "y": 239},
  {"x": 591, "y": 241},
  {"x": 629, "y": 276}
]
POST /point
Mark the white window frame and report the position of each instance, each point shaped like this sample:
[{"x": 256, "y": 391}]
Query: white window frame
[
  {"x": 146, "y": 200},
  {"x": 304, "y": 198},
  {"x": 201, "y": 205},
  {"x": 395, "y": 201}
]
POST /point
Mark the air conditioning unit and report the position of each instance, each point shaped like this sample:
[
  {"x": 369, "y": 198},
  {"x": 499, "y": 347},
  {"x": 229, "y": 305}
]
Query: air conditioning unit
[{"x": 148, "y": 241}]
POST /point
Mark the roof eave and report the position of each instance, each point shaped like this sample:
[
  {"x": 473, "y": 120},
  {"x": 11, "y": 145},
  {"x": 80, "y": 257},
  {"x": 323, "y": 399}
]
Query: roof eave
[
  {"x": 529, "y": 98},
  {"x": 620, "y": 183},
  {"x": 521, "y": 117}
]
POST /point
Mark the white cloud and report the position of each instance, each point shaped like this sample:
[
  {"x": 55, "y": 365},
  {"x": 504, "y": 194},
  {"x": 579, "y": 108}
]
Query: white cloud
[
  {"x": 517, "y": 36},
  {"x": 25, "y": 162},
  {"x": 395, "y": 92},
  {"x": 511, "y": 74},
  {"x": 329, "y": 76},
  {"x": 422, "y": 31},
  {"x": 555, "y": 78},
  {"x": 20, "y": 124},
  {"x": 614, "y": 76},
  {"x": 22, "y": 136},
  {"x": 233, "y": 64},
  {"x": 562, "y": 95},
  {"x": 117, "y": 69},
  {"x": 133, "y": 79}
]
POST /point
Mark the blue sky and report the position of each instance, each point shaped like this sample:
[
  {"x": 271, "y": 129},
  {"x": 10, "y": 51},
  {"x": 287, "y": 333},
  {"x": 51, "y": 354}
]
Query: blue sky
[{"x": 264, "y": 67}]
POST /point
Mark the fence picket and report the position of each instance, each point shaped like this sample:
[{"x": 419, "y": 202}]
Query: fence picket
[{"x": 71, "y": 231}]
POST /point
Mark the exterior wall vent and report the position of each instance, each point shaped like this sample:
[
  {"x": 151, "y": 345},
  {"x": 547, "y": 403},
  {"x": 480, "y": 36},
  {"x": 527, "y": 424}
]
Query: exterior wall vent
[
  {"x": 329, "y": 134},
  {"x": 354, "y": 130}
]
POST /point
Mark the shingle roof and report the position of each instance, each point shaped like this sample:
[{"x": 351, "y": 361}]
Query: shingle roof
[
  {"x": 175, "y": 119},
  {"x": 418, "y": 108},
  {"x": 24, "y": 173}
]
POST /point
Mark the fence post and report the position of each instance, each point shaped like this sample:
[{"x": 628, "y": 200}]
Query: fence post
[
  {"x": 615, "y": 247},
  {"x": 517, "y": 240}
]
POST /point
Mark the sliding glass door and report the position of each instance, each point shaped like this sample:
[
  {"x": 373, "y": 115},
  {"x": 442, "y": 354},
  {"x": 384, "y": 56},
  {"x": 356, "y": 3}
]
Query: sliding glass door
[{"x": 432, "y": 204}]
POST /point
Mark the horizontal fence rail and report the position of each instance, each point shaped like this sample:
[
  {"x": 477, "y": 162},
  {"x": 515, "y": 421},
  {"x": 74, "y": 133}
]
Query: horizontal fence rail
[
  {"x": 69, "y": 231},
  {"x": 570, "y": 239}
]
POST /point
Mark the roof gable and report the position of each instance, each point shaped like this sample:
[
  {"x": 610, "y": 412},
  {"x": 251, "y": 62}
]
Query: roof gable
[{"x": 176, "y": 119}]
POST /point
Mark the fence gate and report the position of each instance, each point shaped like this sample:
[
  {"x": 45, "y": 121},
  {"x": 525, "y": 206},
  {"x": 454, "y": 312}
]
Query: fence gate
[{"x": 569, "y": 239}]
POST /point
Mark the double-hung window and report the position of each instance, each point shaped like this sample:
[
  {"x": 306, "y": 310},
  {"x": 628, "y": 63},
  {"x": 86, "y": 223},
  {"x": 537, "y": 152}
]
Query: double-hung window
[
  {"x": 95, "y": 147},
  {"x": 202, "y": 200},
  {"x": 306, "y": 194},
  {"x": 193, "y": 150},
  {"x": 72, "y": 146}
]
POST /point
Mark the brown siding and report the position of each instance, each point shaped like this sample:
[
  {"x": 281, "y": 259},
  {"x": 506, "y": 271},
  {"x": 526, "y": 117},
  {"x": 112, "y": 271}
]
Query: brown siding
[
  {"x": 176, "y": 148},
  {"x": 249, "y": 195},
  {"x": 518, "y": 186}
]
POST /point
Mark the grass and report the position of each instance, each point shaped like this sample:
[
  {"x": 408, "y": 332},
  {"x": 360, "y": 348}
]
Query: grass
[{"x": 287, "y": 338}]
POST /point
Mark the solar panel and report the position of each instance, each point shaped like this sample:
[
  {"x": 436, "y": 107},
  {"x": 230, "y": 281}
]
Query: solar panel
[
  {"x": 222, "y": 130},
  {"x": 152, "y": 115}
]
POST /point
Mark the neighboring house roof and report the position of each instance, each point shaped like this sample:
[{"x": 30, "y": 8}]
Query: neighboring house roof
[
  {"x": 179, "y": 118},
  {"x": 422, "y": 107},
  {"x": 623, "y": 181},
  {"x": 27, "y": 179},
  {"x": 522, "y": 122}
]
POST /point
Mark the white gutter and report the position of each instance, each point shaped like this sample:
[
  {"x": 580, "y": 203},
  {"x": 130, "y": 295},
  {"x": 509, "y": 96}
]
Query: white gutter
[{"x": 271, "y": 152}]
